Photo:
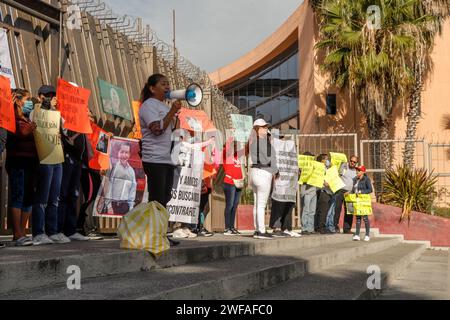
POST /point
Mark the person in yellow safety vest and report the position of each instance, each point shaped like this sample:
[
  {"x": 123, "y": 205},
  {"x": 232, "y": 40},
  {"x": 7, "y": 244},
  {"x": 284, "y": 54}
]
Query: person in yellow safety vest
[{"x": 362, "y": 185}]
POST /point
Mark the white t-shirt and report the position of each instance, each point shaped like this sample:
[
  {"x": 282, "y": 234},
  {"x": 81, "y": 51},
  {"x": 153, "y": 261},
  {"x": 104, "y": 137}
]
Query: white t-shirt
[{"x": 155, "y": 148}]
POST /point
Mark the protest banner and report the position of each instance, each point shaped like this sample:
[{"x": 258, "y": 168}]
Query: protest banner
[
  {"x": 195, "y": 120},
  {"x": 242, "y": 126},
  {"x": 305, "y": 164},
  {"x": 124, "y": 184},
  {"x": 7, "y": 116},
  {"x": 73, "y": 103},
  {"x": 184, "y": 206},
  {"x": 114, "y": 100},
  {"x": 337, "y": 159},
  {"x": 47, "y": 136},
  {"x": 359, "y": 204},
  {"x": 285, "y": 187},
  {"x": 317, "y": 177},
  {"x": 333, "y": 179},
  {"x": 136, "y": 107},
  {"x": 6, "y": 68},
  {"x": 99, "y": 140}
]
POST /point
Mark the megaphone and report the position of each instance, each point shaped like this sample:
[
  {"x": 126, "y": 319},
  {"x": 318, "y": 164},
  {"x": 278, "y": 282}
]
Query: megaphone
[{"x": 193, "y": 95}]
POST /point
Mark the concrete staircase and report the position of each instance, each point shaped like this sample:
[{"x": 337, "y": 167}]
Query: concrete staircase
[{"x": 312, "y": 267}]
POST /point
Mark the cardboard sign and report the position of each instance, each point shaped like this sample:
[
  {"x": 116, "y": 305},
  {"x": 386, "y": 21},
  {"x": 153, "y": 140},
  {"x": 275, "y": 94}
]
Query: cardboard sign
[
  {"x": 242, "y": 126},
  {"x": 195, "y": 120},
  {"x": 333, "y": 179},
  {"x": 73, "y": 103},
  {"x": 100, "y": 160},
  {"x": 47, "y": 136},
  {"x": 337, "y": 159},
  {"x": 7, "y": 116}
]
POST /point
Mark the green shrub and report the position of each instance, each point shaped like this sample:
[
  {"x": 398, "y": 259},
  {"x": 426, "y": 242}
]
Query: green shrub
[{"x": 410, "y": 189}]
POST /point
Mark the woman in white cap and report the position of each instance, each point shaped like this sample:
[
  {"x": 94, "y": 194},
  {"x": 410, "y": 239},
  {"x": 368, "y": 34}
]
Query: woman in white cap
[{"x": 264, "y": 171}]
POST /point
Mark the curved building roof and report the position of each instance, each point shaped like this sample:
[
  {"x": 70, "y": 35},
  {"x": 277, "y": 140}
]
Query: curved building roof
[{"x": 274, "y": 45}]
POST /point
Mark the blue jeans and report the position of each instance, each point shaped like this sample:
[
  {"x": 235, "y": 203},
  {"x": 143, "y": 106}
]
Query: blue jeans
[
  {"x": 21, "y": 185},
  {"x": 45, "y": 208},
  {"x": 70, "y": 192},
  {"x": 309, "y": 203},
  {"x": 358, "y": 225},
  {"x": 232, "y": 197},
  {"x": 331, "y": 214}
]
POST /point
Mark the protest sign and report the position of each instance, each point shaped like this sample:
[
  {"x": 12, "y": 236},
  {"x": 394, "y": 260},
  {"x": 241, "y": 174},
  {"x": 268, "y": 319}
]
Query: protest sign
[
  {"x": 187, "y": 187},
  {"x": 243, "y": 126},
  {"x": 317, "y": 177},
  {"x": 333, "y": 179},
  {"x": 285, "y": 187},
  {"x": 99, "y": 140},
  {"x": 124, "y": 183},
  {"x": 195, "y": 120},
  {"x": 114, "y": 100},
  {"x": 359, "y": 204},
  {"x": 47, "y": 136},
  {"x": 337, "y": 159},
  {"x": 136, "y": 107},
  {"x": 73, "y": 103},
  {"x": 7, "y": 116},
  {"x": 6, "y": 68},
  {"x": 305, "y": 164}
]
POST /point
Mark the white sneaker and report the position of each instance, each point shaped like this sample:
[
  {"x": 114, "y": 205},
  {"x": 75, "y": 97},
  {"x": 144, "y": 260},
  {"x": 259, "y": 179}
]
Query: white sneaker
[
  {"x": 41, "y": 240},
  {"x": 293, "y": 234},
  {"x": 59, "y": 238},
  {"x": 179, "y": 234},
  {"x": 367, "y": 239},
  {"x": 356, "y": 238},
  {"x": 189, "y": 233},
  {"x": 78, "y": 237}
]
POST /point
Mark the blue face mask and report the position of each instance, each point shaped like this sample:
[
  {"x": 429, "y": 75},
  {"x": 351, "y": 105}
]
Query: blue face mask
[
  {"x": 328, "y": 163},
  {"x": 27, "y": 108}
]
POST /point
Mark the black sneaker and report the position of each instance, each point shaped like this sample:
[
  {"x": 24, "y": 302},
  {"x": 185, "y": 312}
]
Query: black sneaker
[
  {"x": 235, "y": 232},
  {"x": 173, "y": 243},
  {"x": 264, "y": 236},
  {"x": 279, "y": 234},
  {"x": 205, "y": 233},
  {"x": 2, "y": 245}
]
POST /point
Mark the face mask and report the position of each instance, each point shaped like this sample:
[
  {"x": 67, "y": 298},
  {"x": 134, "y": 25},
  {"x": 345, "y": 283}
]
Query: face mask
[
  {"x": 27, "y": 108},
  {"x": 328, "y": 163}
]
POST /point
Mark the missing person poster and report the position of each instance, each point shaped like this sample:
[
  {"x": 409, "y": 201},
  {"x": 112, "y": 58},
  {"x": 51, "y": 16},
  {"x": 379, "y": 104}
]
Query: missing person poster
[
  {"x": 47, "y": 136},
  {"x": 242, "y": 126},
  {"x": 124, "y": 183},
  {"x": 114, "y": 100},
  {"x": 285, "y": 187},
  {"x": 186, "y": 191},
  {"x": 6, "y": 68}
]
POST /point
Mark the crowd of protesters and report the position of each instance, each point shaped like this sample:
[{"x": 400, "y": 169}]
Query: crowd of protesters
[{"x": 48, "y": 195}]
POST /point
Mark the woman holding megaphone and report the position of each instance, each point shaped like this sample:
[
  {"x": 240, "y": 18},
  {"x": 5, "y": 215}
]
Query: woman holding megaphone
[{"x": 157, "y": 123}]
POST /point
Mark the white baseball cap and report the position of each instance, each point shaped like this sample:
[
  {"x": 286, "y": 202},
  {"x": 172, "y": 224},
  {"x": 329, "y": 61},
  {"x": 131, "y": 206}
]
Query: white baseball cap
[{"x": 260, "y": 123}]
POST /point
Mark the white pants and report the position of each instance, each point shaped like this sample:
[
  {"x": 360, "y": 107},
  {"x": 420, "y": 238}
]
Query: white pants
[{"x": 261, "y": 185}]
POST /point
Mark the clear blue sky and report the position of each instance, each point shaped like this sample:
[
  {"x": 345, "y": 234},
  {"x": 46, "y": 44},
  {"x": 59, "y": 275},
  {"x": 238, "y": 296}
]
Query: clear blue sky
[{"x": 211, "y": 33}]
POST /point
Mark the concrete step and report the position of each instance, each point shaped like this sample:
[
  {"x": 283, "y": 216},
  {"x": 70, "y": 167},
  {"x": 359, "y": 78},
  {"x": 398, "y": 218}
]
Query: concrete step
[
  {"x": 219, "y": 279},
  {"x": 428, "y": 278},
  {"x": 34, "y": 267},
  {"x": 349, "y": 280}
]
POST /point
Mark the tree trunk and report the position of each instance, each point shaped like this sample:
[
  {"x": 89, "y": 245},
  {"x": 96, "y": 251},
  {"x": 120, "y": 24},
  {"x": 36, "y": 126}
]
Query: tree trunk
[{"x": 413, "y": 117}]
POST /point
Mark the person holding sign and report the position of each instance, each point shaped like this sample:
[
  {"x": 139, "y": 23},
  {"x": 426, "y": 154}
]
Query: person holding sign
[
  {"x": 347, "y": 172},
  {"x": 308, "y": 196},
  {"x": 157, "y": 123},
  {"x": 324, "y": 198},
  {"x": 264, "y": 171},
  {"x": 21, "y": 165},
  {"x": 362, "y": 186}
]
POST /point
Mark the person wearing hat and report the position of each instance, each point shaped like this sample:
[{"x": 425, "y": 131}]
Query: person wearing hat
[
  {"x": 362, "y": 185},
  {"x": 264, "y": 171}
]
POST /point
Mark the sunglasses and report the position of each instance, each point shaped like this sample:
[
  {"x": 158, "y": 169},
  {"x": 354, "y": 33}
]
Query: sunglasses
[{"x": 354, "y": 162}]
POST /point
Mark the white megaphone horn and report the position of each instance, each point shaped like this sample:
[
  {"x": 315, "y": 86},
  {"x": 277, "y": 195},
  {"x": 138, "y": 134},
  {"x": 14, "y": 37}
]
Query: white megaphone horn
[{"x": 193, "y": 95}]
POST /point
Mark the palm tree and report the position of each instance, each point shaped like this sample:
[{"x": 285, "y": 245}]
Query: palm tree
[
  {"x": 437, "y": 11},
  {"x": 375, "y": 64}
]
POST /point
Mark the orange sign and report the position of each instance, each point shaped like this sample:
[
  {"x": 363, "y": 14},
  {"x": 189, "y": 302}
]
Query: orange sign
[
  {"x": 99, "y": 140},
  {"x": 136, "y": 107},
  {"x": 7, "y": 116},
  {"x": 73, "y": 103},
  {"x": 195, "y": 120}
]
